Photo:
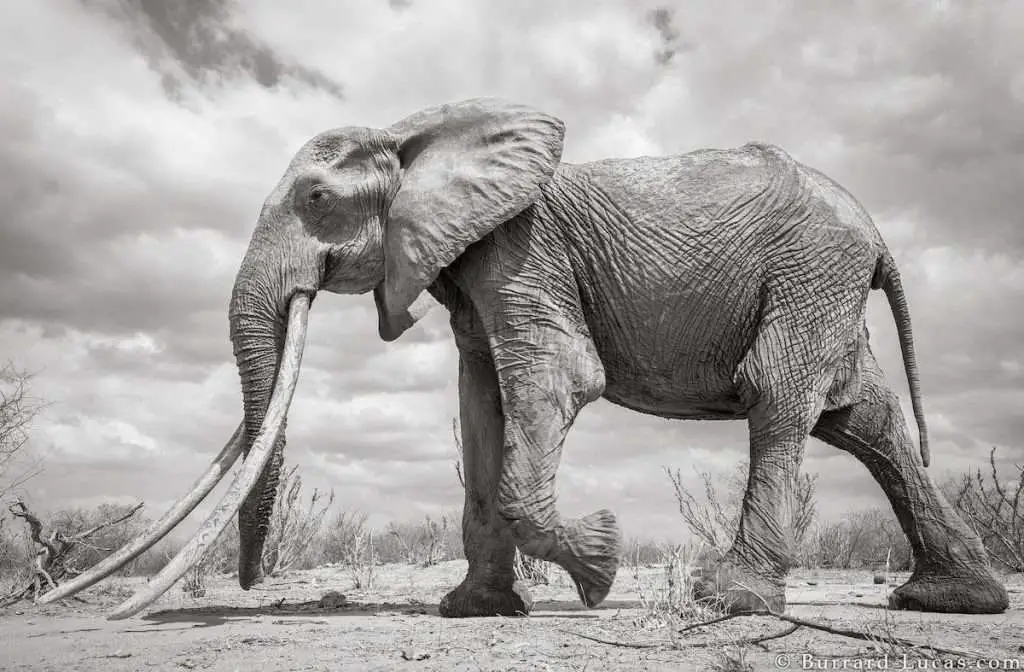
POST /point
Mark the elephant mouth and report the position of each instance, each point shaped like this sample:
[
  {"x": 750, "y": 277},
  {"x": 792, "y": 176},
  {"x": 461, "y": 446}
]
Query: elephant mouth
[{"x": 253, "y": 465}]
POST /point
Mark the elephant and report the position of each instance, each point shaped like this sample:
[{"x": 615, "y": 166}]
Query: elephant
[{"x": 719, "y": 284}]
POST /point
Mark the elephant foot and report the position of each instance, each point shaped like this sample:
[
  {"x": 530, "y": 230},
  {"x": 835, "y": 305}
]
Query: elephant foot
[
  {"x": 970, "y": 594},
  {"x": 592, "y": 550},
  {"x": 737, "y": 589},
  {"x": 474, "y": 600}
]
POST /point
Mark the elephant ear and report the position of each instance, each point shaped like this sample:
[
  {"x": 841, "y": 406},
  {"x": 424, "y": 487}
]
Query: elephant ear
[{"x": 467, "y": 167}]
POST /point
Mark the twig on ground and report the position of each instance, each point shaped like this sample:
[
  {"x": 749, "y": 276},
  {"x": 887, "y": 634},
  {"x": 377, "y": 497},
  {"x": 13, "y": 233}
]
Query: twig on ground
[
  {"x": 795, "y": 622},
  {"x": 785, "y": 632},
  {"x": 611, "y": 642}
]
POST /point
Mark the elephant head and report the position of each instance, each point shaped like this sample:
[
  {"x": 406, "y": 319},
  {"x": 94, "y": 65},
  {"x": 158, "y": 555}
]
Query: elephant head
[
  {"x": 361, "y": 209},
  {"x": 358, "y": 209}
]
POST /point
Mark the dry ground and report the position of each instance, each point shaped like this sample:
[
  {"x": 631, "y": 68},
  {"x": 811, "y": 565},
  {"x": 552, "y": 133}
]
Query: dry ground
[{"x": 280, "y": 625}]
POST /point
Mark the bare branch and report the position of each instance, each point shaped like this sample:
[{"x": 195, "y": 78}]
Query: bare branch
[
  {"x": 17, "y": 412},
  {"x": 104, "y": 525},
  {"x": 996, "y": 512}
]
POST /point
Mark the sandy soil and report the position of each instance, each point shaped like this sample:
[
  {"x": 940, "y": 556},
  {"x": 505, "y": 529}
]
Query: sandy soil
[{"x": 282, "y": 625}]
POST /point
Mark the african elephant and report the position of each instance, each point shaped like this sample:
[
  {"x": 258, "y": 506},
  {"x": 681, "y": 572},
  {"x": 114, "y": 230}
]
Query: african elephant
[{"x": 716, "y": 285}]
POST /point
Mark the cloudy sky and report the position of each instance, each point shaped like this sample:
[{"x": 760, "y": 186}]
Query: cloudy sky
[{"x": 138, "y": 139}]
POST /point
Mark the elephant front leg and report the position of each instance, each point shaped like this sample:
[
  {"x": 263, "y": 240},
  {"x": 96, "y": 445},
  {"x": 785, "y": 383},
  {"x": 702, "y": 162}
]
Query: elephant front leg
[
  {"x": 543, "y": 390},
  {"x": 488, "y": 589}
]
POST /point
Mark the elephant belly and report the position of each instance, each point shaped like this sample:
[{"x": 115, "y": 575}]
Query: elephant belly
[
  {"x": 675, "y": 354},
  {"x": 699, "y": 393},
  {"x": 726, "y": 408}
]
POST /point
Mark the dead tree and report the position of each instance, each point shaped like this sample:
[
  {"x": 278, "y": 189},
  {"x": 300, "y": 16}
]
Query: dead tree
[{"x": 53, "y": 556}]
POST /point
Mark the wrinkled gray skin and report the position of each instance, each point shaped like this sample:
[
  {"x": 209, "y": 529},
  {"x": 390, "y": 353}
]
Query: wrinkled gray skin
[{"x": 716, "y": 285}]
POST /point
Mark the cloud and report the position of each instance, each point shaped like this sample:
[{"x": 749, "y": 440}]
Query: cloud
[
  {"x": 141, "y": 137},
  {"x": 199, "y": 41}
]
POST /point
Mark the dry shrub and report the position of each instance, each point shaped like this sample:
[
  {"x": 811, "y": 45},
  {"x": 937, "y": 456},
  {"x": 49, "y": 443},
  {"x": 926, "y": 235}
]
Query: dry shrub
[
  {"x": 713, "y": 515},
  {"x": 17, "y": 552},
  {"x": 646, "y": 552},
  {"x": 866, "y": 539},
  {"x": 15, "y": 556},
  {"x": 194, "y": 583},
  {"x": 294, "y": 537},
  {"x": 533, "y": 571},
  {"x": 424, "y": 544},
  {"x": 294, "y": 527},
  {"x": 668, "y": 602},
  {"x": 995, "y": 509},
  {"x": 222, "y": 558},
  {"x": 349, "y": 542},
  {"x": 733, "y": 657}
]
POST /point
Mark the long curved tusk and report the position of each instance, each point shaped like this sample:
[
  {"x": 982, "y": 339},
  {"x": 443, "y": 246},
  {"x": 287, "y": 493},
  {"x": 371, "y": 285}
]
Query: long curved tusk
[
  {"x": 158, "y": 530},
  {"x": 252, "y": 467}
]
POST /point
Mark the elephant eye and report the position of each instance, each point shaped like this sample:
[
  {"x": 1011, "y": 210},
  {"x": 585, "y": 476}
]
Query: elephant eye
[{"x": 319, "y": 197}]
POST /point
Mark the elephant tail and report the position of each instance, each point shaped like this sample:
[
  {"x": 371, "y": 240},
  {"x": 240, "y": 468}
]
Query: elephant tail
[{"x": 887, "y": 278}]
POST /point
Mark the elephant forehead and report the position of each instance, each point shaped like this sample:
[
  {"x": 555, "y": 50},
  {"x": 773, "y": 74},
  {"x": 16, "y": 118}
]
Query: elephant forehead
[
  {"x": 338, "y": 144},
  {"x": 335, "y": 147}
]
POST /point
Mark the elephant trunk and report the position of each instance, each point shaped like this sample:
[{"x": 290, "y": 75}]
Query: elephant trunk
[{"x": 257, "y": 335}]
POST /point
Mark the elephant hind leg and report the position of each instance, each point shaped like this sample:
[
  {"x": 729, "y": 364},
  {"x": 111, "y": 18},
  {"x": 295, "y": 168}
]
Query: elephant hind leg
[
  {"x": 784, "y": 393},
  {"x": 952, "y": 573}
]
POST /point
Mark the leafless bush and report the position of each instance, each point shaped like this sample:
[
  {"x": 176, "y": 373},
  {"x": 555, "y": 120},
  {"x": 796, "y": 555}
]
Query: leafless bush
[
  {"x": 349, "y": 542},
  {"x": 870, "y": 538},
  {"x": 340, "y": 533},
  {"x": 646, "y": 552},
  {"x": 295, "y": 537},
  {"x": 17, "y": 411},
  {"x": 423, "y": 544},
  {"x": 222, "y": 558},
  {"x": 995, "y": 509},
  {"x": 15, "y": 556},
  {"x": 293, "y": 527},
  {"x": 194, "y": 583},
  {"x": 713, "y": 516},
  {"x": 533, "y": 571},
  {"x": 668, "y": 601},
  {"x": 733, "y": 657}
]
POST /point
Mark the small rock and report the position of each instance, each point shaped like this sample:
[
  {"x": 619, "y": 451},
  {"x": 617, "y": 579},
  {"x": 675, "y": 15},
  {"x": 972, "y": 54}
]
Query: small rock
[
  {"x": 812, "y": 583},
  {"x": 414, "y": 655},
  {"x": 119, "y": 654},
  {"x": 332, "y": 599}
]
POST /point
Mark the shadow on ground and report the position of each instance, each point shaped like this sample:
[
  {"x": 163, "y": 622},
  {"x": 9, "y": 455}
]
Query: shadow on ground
[{"x": 213, "y": 615}]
